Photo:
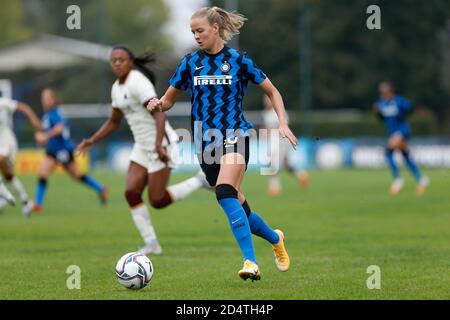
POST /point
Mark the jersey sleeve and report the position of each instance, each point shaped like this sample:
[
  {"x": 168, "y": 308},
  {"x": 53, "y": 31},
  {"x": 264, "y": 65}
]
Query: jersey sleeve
[
  {"x": 181, "y": 80},
  {"x": 113, "y": 97},
  {"x": 11, "y": 105},
  {"x": 142, "y": 88},
  {"x": 405, "y": 105},
  {"x": 113, "y": 100},
  {"x": 56, "y": 118},
  {"x": 251, "y": 71}
]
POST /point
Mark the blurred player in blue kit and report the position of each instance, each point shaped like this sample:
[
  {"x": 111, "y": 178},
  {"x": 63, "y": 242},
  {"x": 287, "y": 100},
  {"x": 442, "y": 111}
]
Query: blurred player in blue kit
[
  {"x": 59, "y": 149},
  {"x": 393, "y": 110}
]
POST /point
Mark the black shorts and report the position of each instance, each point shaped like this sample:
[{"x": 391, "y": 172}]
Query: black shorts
[
  {"x": 63, "y": 156},
  {"x": 209, "y": 159}
]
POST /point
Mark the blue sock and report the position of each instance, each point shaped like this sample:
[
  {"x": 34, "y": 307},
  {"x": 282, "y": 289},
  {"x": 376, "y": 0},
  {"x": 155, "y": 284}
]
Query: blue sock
[
  {"x": 40, "y": 192},
  {"x": 261, "y": 229},
  {"x": 412, "y": 165},
  {"x": 239, "y": 226},
  {"x": 92, "y": 183},
  {"x": 391, "y": 162}
]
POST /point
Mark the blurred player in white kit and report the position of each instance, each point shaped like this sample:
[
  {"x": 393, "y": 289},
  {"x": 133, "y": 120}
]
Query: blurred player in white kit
[
  {"x": 279, "y": 152},
  {"x": 8, "y": 150},
  {"x": 155, "y": 150}
]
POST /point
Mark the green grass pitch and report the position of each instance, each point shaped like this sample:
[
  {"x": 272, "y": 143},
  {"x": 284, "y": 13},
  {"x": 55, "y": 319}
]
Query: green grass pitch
[{"x": 345, "y": 222}]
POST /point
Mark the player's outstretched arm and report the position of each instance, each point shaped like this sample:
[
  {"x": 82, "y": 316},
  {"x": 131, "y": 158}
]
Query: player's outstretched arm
[
  {"x": 29, "y": 113},
  {"x": 165, "y": 103},
  {"x": 43, "y": 137},
  {"x": 277, "y": 102},
  {"x": 376, "y": 110},
  {"x": 160, "y": 121},
  {"x": 105, "y": 130}
]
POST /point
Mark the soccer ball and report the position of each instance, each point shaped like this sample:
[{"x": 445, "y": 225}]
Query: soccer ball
[{"x": 134, "y": 271}]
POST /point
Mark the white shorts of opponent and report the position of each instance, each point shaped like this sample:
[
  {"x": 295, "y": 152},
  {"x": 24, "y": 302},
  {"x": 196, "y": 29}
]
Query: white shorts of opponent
[
  {"x": 8, "y": 147},
  {"x": 149, "y": 159}
]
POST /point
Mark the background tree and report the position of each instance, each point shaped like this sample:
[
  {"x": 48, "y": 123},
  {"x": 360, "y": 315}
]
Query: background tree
[
  {"x": 12, "y": 22},
  {"x": 348, "y": 60},
  {"x": 137, "y": 23}
]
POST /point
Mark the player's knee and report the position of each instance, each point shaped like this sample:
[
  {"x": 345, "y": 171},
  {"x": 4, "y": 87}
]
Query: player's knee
[
  {"x": 157, "y": 203},
  {"x": 160, "y": 201},
  {"x": 396, "y": 143},
  {"x": 391, "y": 144},
  {"x": 224, "y": 191},
  {"x": 133, "y": 198}
]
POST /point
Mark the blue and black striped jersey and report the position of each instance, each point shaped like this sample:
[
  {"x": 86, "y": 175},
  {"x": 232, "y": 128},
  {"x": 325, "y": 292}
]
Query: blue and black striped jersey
[
  {"x": 51, "y": 119},
  {"x": 394, "y": 113},
  {"x": 217, "y": 85}
]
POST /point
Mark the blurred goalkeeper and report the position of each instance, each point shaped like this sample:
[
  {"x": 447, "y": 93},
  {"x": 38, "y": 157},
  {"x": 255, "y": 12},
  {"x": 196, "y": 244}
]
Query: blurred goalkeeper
[{"x": 393, "y": 110}]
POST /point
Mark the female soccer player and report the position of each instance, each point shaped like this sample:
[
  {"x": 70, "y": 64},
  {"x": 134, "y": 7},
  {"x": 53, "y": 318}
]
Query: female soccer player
[
  {"x": 59, "y": 149},
  {"x": 8, "y": 149},
  {"x": 393, "y": 110},
  {"x": 279, "y": 152},
  {"x": 155, "y": 150},
  {"x": 217, "y": 77}
]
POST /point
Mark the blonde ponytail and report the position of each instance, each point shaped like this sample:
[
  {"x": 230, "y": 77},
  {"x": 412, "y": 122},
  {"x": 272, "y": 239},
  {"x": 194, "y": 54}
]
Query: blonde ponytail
[{"x": 229, "y": 22}]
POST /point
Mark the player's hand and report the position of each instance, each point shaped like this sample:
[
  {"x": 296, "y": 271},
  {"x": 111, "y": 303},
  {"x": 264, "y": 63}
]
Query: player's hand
[
  {"x": 84, "y": 146},
  {"x": 286, "y": 133},
  {"x": 154, "y": 105},
  {"x": 162, "y": 153},
  {"x": 41, "y": 137}
]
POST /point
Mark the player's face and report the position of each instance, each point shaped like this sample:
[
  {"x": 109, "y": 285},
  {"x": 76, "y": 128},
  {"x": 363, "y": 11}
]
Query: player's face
[
  {"x": 205, "y": 34},
  {"x": 120, "y": 62},
  {"x": 386, "y": 91},
  {"x": 48, "y": 99}
]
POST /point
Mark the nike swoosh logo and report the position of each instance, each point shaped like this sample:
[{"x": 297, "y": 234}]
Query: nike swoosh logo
[
  {"x": 233, "y": 222},
  {"x": 198, "y": 68}
]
